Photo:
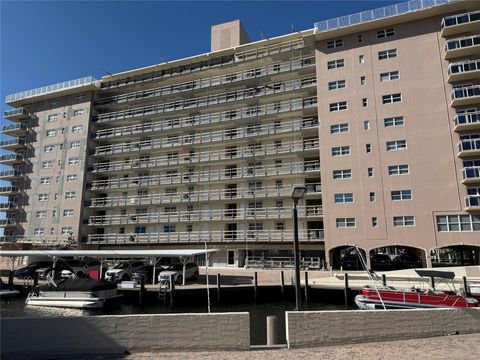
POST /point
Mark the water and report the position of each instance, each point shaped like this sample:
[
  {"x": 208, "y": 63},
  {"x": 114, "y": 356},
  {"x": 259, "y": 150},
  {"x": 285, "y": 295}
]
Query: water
[{"x": 267, "y": 306}]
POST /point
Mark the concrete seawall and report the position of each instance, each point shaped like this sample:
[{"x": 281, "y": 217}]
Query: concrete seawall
[
  {"x": 318, "y": 328},
  {"x": 113, "y": 335}
]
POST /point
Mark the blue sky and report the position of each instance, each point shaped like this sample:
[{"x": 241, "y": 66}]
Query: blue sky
[{"x": 45, "y": 42}]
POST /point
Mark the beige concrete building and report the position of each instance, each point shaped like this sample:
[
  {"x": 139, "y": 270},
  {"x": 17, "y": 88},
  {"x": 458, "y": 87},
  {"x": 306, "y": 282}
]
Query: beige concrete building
[{"x": 205, "y": 150}]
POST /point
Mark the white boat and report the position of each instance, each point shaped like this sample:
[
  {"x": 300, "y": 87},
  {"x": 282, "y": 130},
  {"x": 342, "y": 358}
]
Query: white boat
[{"x": 74, "y": 293}]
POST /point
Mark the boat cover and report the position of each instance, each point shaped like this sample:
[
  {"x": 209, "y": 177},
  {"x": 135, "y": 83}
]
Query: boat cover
[
  {"x": 436, "y": 274},
  {"x": 79, "y": 285}
]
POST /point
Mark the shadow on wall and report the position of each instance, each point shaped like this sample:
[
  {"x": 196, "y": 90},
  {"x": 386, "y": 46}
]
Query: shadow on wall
[{"x": 55, "y": 338}]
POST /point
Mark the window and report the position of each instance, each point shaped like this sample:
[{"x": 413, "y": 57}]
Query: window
[
  {"x": 345, "y": 222},
  {"x": 47, "y": 164},
  {"x": 361, "y": 59},
  {"x": 396, "y": 145},
  {"x": 52, "y": 118},
  {"x": 49, "y": 148},
  {"x": 38, "y": 231},
  {"x": 372, "y": 197},
  {"x": 73, "y": 161},
  {"x": 70, "y": 195},
  {"x": 366, "y": 125},
  {"x": 255, "y": 226},
  {"x": 458, "y": 223},
  {"x": 398, "y": 170},
  {"x": 42, "y": 197},
  {"x": 341, "y": 151},
  {"x": 77, "y": 128},
  {"x": 368, "y": 148},
  {"x": 370, "y": 172},
  {"x": 360, "y": 38},
  {"x": 279, "y": 225},
  {"x": 343, "y": 198},
  {"x": 389, "y": 76},
  {"x": 279, "y": 184},
  {"x": 279, "y": 204},
  {"x": 338, "y": 106},
  {"x": 170, "y": 209},
  {"x": 44, "y": 180},
  {"x": 399, "y": 195},
  {"x": 392, "y": 98},
  {"x": 403, "y": 221},
  {"x": 335, "y": 85},
  {"x": 77, "y": 112},
  {"x": 189, "y": 227},
  {"x": 364, "y": 102},
  {"x": 387, "y": 54},
  {"x": 374, "y": 222},
  {"x": 140, "y": 230},
  {"x": 278, "y": 163},
  {"x": 72, "y": 178},
  {"x": 363, "y": 80},
  {"x": 385, "y": 33},
  {"x": 334, "y": 64},
  {"x": 68, "y": 212},
  {"x": 342, "y": 174},
  {"x": 338, "y": 128},
  {"x": 334, "y": 44},
  {"x": 75, "y": 145},
  {"x": 67, "y": 230},
  {"x": 41, "y": 214},
  {"x": 51, "y": 133},
  {"x": 394, "y": 121}
]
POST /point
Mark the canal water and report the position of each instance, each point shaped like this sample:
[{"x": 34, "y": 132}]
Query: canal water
[{"x": 193, "y": 303}]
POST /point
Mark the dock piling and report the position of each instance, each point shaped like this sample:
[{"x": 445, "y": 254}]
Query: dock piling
[
  {"x": 10, "y": 280},
  {"x": 384, "y": 279},
  {"x": 142, "y": 290},
  {"x": 346, "y": 290},
  {"x": 432, "y": 282},
  {"x": 282, "y": 286},
  {"x": 172, "y": 289},
  {"x": 272, "y": 330},
  {"x": 306, "y": 286},
  {"x": 218, "y": 288},
  {"x": 465, "y": 286},
  {"x": 35, "y": 279},
  {"x": 255, "y": 284}
]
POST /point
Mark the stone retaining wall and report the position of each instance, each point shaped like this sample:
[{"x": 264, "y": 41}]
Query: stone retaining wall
[{"x": 318, "y": 328}]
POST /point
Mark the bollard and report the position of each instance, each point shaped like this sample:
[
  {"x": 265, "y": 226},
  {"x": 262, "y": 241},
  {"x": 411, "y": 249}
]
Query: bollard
[
  {"x": 306, "y": 286},
  {"x": 142, "y": 289},
  {"x": 272, "y": 330},
  {"x": 282, "y": 286},
  {"x": 432, "y": 282},
  {"x": 255, "y": 284},
  {"x": 218, "y": 288},
  {"x": 172, "y": 289},
  {"x": 10, "y": 280},
  {"x": 346, "y": 290},
  {"x": 465, "y": 286},
  {"x": 384, "y": 280}
]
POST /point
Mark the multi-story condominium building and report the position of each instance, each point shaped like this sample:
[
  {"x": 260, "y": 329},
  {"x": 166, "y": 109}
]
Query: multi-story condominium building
[{"x": 376, "y": 113}]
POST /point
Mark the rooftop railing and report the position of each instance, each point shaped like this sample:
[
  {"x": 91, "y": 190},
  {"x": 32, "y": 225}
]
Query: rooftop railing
[{"x": 377, "y": 14}]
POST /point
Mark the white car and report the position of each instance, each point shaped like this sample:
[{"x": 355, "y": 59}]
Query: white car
[
  {"x": 81, "y": 268},
  {"x": 123, "y": 271},
  {"x": 176, "y": 270}
]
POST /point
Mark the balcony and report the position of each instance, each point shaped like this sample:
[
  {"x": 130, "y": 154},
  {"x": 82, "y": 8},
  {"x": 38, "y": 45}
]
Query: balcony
[
  {"x": 8, "y": 206},
  {"x": 472, "y": 203},
  {"x": 211, "y": 100},
  {"x": 466, "y": 96},
  {"x": 465, "y": 70},
  {"x": 467, "y": 121},
  {"x": 8, "y": 190},
  {"x": 462, "y": 47},
  {"x": 469, "y": 147},
  {"x": 16, "y": 114},
  {"x": 4, "y": 223},
  {"x": 471, "y": 175},
  {"x": 461, "y": 24},
  {"x": 35, "y": 240},
  {"x": 201, "y": 237},
  {"x": 11, "y": 159},
  {"x": 293, "y": 168},
  {"x": 10, "y": 174},
  {"x": 15, "y": 129},
  {"x": 12, "y": 144}
]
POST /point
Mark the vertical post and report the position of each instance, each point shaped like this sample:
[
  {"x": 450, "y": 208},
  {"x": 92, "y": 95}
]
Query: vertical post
[
  {"x": 306, "y": 286},
  {"x": 10, "y": 280},
  {"x": 282, "y": 286},
  {"x": 296, "y": 257},
  {"x": 35, "y": 278},
  {"x": 255, "y": 284},
  {"x": 272, "y": 330},
  {"x": 218, "y": 288},
  {"x": 465, "y": 286},
  {"x": 142, "y": 289},
  {"x": 384, "y": 280},
  {"x": 432, "y": 282},
  {"x": 346, "y": 290},
  {"x": 172, "y": 289}
]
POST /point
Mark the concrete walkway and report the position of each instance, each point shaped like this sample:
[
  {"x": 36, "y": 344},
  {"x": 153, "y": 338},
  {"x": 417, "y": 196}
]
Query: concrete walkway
[{"x": 445, "y": 347}]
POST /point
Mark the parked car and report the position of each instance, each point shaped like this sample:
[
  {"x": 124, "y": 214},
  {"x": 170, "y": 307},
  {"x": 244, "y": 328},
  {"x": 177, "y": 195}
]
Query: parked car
[
  {"x": 29, "y": 270},
  {"x": 407, "y": 261},
  {"x": 351, "y": 262},
  {"x": 60, "y": 266},
  {"x": 176, "y": 270},
  {"x": 81, "y": 268},
  {"x": 381, "y": 262},
  {"x": 123, "y": 271},
  {"x": 147, "y": 272}
]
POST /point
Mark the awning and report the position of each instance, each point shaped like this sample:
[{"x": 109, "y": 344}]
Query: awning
[{"x": 436, "y": 274}]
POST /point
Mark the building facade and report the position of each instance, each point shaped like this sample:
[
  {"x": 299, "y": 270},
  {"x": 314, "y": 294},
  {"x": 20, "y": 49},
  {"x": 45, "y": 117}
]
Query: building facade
[{"x": 375, "y": 114}]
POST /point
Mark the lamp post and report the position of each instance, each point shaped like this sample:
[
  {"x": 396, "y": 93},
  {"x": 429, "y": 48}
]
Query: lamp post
[{"x": 297, "y": 193}]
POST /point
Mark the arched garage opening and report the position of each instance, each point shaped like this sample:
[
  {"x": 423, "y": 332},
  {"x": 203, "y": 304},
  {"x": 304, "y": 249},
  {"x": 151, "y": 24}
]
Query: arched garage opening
[
  {"x": 397, "y": 257},
  {"x": 346, "y": 257},
  {"x": 458, "y": 255}
]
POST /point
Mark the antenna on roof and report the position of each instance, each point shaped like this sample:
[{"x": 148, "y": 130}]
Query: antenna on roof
[
  {"x": 105, "y": 71},
  {"x": 163, "y": 60},
  {"x": 261, "y": 35},
  {"x": 292, "y": 28}
]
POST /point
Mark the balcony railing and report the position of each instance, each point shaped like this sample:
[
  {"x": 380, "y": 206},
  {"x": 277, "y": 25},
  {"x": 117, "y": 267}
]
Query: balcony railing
[
  {"x": 15, "y": 113},
  {"x": 12, "y": 142},
  {"x": 8, "y": 205},
  {"x": 462, "y": 46},
  {"x": 14, "y": 127},
  {"x": 468, "y": 120},
  {"x": 231, "y": 78},
  {"x": 39, "y": 240},
  {"x": 210, "y": 100},
  {"x": 8, "y": 189},
  {"x": 472, "y": 202},
  {"x": 463, "y": 70},
  {"x": 210, "y": 119},
  {"x": 208, "y": 156},
  {"x": 471, "y": 173},
  {"x": 208, "y": 137},
  {"x": 7, "y": 222},
  {"x": 465, "y": 95},
  {"x": 469, "y": 146},
  {"x": 238, "y": 236},
  {"x": 10, "y": 173},
  {"x": 456, "y": 23},
  {"x": 11, "y": 157},
  {"x": 247, "y": 172},
  {"x": 199, "y": 196}
]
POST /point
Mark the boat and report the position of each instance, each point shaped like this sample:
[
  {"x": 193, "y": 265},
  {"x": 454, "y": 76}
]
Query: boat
[
  {"x": 474, "y": 290},
  {"x": 387, "y": 297},
  {"x": 83, "y": 293},
  {"x": 7, "y": 291}
]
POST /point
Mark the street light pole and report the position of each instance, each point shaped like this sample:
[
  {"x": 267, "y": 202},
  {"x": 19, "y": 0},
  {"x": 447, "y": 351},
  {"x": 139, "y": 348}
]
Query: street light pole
[{"x": 296, "y": 258}]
